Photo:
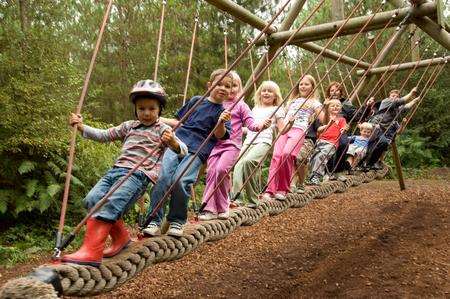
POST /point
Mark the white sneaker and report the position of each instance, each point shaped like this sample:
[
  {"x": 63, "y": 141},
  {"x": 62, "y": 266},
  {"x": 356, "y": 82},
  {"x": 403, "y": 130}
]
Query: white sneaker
[
  {"x": 280, "y": 196},
  {"x": 207, "y": 216},
  {"x": 152, "y": 229},
  {"x": 266, "y": 196},
  {"x": 224, "y": 215},
  {"x": 175, "y": 229}
]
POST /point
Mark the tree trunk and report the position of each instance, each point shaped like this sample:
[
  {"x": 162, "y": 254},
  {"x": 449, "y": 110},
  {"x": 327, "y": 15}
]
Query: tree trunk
[{"x": 24, "y": 22}]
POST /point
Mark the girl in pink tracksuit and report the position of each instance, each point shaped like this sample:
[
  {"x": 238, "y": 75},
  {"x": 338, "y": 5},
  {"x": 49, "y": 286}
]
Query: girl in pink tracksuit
[
  {"x": 224, "y": 155},
  {"x": 302, "y": 107}
]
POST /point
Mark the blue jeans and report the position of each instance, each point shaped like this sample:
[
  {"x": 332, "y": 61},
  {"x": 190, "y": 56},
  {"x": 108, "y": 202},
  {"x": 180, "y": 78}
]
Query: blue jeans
[
  {"x": 172, "y": 167},
  {"x": 120, "y": 201}
]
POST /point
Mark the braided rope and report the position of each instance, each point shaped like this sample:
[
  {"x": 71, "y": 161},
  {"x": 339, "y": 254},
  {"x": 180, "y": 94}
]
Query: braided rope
[{"x": 78, "y": 280}]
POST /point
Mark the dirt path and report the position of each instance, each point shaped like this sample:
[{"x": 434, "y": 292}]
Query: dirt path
[
  {"x": 373, "y": 242},
  {"x": 389, "y": 244}
]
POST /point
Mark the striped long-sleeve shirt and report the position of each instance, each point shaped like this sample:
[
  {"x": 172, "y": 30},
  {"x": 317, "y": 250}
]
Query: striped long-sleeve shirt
[{"x": 138, "y": 141}]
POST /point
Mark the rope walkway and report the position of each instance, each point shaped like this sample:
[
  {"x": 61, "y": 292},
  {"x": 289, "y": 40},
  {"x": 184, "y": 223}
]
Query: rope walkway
[{"x": 78, "y": 280}]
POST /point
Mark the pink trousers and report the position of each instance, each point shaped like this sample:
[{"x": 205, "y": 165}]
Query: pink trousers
[
  {"x": 219, "y": 164},
  {"x": 282, "y": 165}
]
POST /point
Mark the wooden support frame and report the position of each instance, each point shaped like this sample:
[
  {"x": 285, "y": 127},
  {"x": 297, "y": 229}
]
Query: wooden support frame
[
  {"x": 295, "y": 9},
  {"x": 398, "y": 165},
  {"x": 312, "y": 47},
  {"x": 406, "y": 66},
  {"x": 427, "y": 25},
  {"x": 327, "y": 30}
]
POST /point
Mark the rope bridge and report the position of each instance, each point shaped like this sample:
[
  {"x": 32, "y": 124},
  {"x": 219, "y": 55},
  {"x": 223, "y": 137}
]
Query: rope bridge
[{"x": 78, "y": 280}]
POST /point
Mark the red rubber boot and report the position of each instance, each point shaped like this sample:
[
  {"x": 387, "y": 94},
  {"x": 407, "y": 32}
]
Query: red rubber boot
[
  {"x": 91, "y": 252},
  {"x": 120, "y": 239}
]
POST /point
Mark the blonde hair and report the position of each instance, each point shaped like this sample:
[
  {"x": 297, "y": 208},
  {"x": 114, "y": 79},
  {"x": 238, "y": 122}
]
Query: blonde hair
[
  {"x": 274, "y": 87},
  {"x": 366, "y": 126},
  {"x": 295, "y": 94},
  {"x": 235, "y": 76},
  {"x": 327, "y": 112},
  {"x": 219, "y": 72}
]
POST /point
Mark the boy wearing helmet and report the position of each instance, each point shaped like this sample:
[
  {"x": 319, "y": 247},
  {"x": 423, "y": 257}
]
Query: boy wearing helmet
[{"x": 139, "y": 137}]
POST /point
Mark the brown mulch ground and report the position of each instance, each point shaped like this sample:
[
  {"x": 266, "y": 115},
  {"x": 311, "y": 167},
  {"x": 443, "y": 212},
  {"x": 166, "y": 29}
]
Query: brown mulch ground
[{"x": 373, "y": 241}]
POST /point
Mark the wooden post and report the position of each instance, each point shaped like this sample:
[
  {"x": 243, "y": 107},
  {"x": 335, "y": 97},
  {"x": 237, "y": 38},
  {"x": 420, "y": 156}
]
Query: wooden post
[
  {"x": 337, "y": 10},
  {"x": 398, "y": 165},
  {"x": 375, "y": 54},
  {"x": 415, "y": 53}
]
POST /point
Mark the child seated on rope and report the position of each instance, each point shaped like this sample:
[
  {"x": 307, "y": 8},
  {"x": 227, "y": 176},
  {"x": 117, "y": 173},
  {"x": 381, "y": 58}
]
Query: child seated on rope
[
  {"x": 328, "y": 141},
  {"x": 386, "y": 124},
  {"x": 216, "y": 201},
  {"x": 302, "y": 106},
  {"x": 267, "y": 99},
  {"x": 358, "y": 146},
  {"x": 193, "y": 132},
  {"x": 139, "y": 137}
]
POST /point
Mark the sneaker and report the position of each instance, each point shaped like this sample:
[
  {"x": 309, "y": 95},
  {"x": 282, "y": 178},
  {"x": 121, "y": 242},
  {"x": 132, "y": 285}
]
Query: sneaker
[
  {"x": 224, "y": 215},
  {"x": 332, "y": 177},
  {"x": 252, "y": 205},
  {"x": 152, "y": 229},
  {"x": 314, "y": 180},
  {"x": 377, "y": 166},
  {"x": 347, "y": 166},
  {"x": 175, "y": 229},
  {"x": 266, "y": 196},
  {"x": 280, "y": 196},
  {"x": 298, "y": 190},
  {"x": 205, "y": 216}
]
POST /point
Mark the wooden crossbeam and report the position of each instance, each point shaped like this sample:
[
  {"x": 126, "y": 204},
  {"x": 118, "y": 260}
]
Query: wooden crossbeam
[
  {"x": 406, "y": 66},
  {"x": 354, "y": 25}
]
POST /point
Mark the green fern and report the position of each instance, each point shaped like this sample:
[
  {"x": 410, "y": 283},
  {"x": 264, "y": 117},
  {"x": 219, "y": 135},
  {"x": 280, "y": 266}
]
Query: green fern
[
  {"x": 53, "y": 189},
  {"x": 26, "y": 167},
  {"x": 30, "y": 187}
]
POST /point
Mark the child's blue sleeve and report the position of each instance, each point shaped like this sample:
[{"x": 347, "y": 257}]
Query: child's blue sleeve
[
  {"x": 186, "y": 107},
  {"x": 351, "y": 139}
]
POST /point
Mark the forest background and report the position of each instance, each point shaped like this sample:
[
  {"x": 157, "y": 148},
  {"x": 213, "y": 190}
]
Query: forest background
[{"x": 45, "y": 48}]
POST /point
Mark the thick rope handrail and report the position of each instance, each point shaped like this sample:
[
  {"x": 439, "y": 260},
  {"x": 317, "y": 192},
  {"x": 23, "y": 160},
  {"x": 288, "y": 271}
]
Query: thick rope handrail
[
  {"x": 160, "y": 33},
  {"x": 205, "y": 202},
  {"x": 103, "y": 201},
  {"x": 73, "y": 136}
]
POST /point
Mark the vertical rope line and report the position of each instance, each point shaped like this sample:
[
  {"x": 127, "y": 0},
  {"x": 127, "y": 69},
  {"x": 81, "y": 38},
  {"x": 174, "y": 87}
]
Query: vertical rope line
[
  {"x": 158, "y": 48},
  {"x": 191, "y": 54},
  {"x": 74, "y": 129},
  {"x": 250, "y": 55}
]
